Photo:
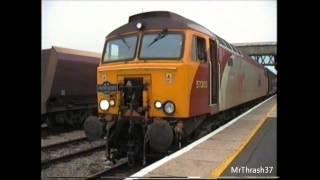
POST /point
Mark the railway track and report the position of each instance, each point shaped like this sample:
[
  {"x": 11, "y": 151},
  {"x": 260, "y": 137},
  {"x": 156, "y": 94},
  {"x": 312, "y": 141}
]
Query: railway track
[
  {"x": 67, "y": 150},
  {"x": 63, "y": 143},
  {"x": 108, "y": 172},
  {"x": 61, "y": 138},
  {"x": 85, "y": 167},
  {"x": 47, "y": 131}
]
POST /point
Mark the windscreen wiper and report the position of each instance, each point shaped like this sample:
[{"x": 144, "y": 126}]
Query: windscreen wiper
[
  {"x": 125, "y": 42},
  {"x": 161, "y": 35}
]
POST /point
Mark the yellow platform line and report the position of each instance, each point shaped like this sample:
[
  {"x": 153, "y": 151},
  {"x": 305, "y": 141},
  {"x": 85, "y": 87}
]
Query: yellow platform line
[{"x": 216, "y": 173}]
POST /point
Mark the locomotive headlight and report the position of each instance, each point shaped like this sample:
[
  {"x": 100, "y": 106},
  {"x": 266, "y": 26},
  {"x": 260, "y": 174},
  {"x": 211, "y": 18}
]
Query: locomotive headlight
[
  {"x": 104, "y": 104},
  {"x": 112, "y": 103},
  {"x": 157, "y": 104},
  {"x": 169, "y": 108},
  {"x": 139, "y": 25}
]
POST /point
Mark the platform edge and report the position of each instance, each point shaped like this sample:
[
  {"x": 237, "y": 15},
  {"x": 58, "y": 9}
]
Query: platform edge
[{"x": 217, "y": 172}]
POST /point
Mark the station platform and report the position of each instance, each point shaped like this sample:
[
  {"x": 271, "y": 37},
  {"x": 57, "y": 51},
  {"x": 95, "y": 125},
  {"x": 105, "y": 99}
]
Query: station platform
[{"x": 244, "y": 147}]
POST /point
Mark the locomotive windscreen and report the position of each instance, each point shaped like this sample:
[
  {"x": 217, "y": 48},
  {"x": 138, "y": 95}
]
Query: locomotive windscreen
[{"x": 166, "y": 46}]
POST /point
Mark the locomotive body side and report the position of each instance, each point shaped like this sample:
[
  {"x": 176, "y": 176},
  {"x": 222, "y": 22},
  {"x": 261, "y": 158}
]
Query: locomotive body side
[
  {"x": 272, "y": 83},
  {"x": 242, "y": 80}
]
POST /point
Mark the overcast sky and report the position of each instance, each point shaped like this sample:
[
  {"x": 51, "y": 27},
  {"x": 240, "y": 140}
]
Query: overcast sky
[{"x": 84, "y": 24}]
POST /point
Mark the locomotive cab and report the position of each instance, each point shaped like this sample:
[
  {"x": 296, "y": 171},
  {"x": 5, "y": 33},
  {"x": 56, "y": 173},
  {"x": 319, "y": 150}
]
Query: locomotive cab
[
  {"x": 157, "y": 80},
  {"x": 143, "y": 65}
]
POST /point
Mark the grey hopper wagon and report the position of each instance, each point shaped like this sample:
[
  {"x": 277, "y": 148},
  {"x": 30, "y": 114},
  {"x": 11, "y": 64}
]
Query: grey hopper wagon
[{"x": 68, "y": 85}]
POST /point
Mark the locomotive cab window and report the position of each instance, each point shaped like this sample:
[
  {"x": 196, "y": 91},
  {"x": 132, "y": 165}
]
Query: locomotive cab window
[
  {"x": 161, "y": 45},
  {"x": 199, "y": 49},
  {"x": 122, "y": 48}
]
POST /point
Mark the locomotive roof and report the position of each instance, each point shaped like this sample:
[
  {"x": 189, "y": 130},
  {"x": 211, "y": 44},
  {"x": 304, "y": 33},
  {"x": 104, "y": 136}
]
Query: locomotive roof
[
  {"x": 169, "y": 20},
  {"x": 160, "y": 20}
]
